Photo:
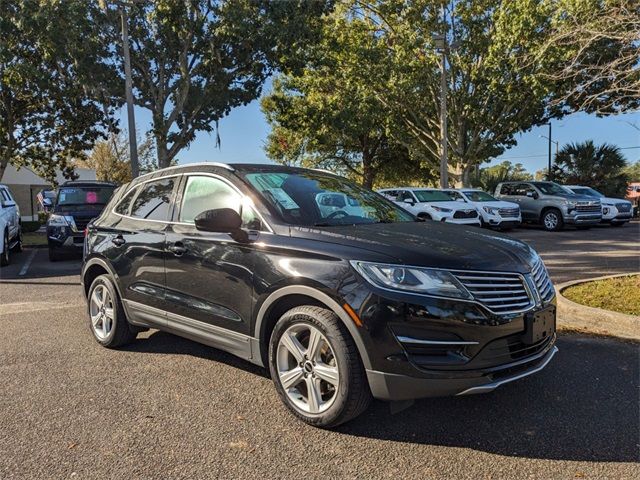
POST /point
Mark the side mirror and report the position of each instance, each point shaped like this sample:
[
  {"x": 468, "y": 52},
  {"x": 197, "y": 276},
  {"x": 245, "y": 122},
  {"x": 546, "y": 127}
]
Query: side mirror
[
  {"x": 409, "y": 201},
  {"x": 222, "y": 220},
  {"x": 533, "y": 195},
  {"x": 462, "y": 200}
]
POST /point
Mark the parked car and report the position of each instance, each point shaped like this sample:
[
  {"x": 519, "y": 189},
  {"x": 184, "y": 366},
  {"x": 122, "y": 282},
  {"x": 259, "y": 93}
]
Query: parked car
[
  {"x": 77, "y": 203},
  {"x": 10, "y": 226},
  {"x": 615, "y": 211},
  {"x": 551, "y": 205},
  {"x": 494, "y": 213},
  {"x": 340, "y": 306},
  {"x": 633, "y": 195},
  {"x": 432, "y": 204}
]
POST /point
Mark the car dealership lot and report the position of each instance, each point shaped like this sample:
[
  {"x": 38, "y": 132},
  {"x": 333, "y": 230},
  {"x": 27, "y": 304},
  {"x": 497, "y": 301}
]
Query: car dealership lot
[{"x": 168, "y": 407}]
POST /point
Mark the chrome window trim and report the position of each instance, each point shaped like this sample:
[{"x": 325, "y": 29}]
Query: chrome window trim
[{"x": 139, "y": 185}]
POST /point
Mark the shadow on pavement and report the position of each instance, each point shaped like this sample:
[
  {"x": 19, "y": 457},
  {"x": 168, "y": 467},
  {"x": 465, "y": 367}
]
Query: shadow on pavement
[
  {"x": 38, "y": 266},
  {"x": 582, "y": 407}
]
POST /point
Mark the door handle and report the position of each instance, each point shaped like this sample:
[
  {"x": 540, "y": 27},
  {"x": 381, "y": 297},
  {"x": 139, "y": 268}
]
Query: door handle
[
  {"x": 118, "y": 241},
  {"x": 178, "y": 249}
]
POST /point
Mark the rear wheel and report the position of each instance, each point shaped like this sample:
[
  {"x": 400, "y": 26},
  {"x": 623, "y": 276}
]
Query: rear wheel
[
  {"x": 107, "y": 319},
  {"x": 316, "y": 367},
  {"x": 552, "y": 220},
  {"x": 4, "y": 256}
]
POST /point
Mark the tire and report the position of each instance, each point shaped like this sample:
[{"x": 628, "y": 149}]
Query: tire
[
  {"x": 53, "y": 255},
  {"x": 425, "y": 216},
  {"x": 18, "y": 246},
  {"x": 4, "y": 256},
  {"x": 337, "y": 356},
  {"x": 109, "y": 331},
  {"x": 552, "y": 220}
]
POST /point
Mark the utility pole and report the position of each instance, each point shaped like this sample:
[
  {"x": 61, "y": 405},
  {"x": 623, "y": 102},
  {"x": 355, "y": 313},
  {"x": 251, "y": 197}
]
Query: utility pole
[
  {"x": 549, "y": 174},
  {"x": 133, "y": 142},
  {"x": 440, "y": 43}
]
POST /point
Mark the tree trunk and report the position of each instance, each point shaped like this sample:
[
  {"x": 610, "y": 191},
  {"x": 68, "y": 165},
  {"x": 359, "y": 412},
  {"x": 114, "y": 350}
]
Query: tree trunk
[
  {"x": 4, "y": 161},
  {"x": 368, "y": 171},
  {"x": 162, "y": 150}
]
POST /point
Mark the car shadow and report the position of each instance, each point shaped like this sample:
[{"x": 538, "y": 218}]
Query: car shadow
[
  {"x": 167, "y": 343},
  {"x": 33, "y": 263},
  {"x": 582, "y": 407}
]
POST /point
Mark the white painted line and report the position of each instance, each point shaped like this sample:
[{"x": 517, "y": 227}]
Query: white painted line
[{"x": 26, "y": 265}]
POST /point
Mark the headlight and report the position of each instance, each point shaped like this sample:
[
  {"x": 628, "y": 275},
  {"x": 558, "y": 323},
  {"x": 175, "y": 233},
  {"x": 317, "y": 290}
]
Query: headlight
[
  {"x": 412, "y": 279},
  {"x": 491, "y": 210},
  {"x": 441, "y": 209},
  {"x": 570, "y": 204},
  {"x": 58, "y": 221}
]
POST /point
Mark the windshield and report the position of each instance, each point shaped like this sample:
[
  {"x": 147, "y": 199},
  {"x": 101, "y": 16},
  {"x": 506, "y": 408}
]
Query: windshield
[
  {"x": 588, "y": 191},
  {"x": 550, "y": 188},
  {"x": 478, "y": 196},
  {"x": 311, "y": 198},
  {"x": 84, "y": 195},
  {"x": 431, "y": 196}
]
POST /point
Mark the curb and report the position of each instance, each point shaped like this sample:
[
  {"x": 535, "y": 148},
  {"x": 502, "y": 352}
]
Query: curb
[{"x": 574, "y": 316}]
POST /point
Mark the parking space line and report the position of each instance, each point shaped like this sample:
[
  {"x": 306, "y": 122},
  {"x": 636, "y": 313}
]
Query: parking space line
[{"x": 25, "y": 267}]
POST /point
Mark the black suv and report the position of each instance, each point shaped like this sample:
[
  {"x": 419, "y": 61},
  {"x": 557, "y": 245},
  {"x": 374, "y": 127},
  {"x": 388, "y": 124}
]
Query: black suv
[
  {"x": 76, "y": 204},
  {"x": 342, "y": 301}
]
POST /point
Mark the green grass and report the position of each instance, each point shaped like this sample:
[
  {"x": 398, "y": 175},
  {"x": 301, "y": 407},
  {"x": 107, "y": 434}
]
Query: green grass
[
  {"x": 33, "y": 239},
  {"x": 620, "y": 294}
]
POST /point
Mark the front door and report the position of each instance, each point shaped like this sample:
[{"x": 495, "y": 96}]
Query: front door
[
  {"x": 528, "y": 204},
  {"x": 209, "y": 275}
]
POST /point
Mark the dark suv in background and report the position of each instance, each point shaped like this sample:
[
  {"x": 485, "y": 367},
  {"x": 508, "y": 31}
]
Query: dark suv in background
[
  {"x": 76, "y": 204},
  {"x": 342, "y": 301}
]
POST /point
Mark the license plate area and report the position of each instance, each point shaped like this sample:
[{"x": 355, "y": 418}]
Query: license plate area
[{"x": 539, "y": 325}]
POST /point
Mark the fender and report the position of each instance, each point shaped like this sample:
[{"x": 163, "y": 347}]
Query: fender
[
  {"x": 316, "y": 294},
  {"x": 104, "y": 264}
]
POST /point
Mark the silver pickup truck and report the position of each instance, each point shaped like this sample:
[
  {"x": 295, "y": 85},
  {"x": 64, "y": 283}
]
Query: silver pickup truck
[{"x": 551, "y": 205}]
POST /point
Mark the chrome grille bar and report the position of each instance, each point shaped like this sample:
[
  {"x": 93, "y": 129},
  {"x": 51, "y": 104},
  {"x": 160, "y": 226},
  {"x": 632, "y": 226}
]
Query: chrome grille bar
[{"x": 501, "y": 293}]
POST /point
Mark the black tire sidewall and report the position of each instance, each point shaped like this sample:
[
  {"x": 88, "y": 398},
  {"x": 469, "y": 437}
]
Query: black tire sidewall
[
  {"x": 337, "y": 342},
  {"x": 4, "y": 259}
]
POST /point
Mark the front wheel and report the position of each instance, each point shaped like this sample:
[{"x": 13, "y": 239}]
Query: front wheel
[
  {"x": 316, "y": 367},
  {"x": 552, "y": 220},
  {"x": 107, "y": 319},
  {"x": 4, "y": 255}
]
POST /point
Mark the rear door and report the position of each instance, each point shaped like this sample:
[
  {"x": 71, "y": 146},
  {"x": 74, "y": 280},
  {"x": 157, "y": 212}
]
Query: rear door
[{"x": 136, "y": 242}]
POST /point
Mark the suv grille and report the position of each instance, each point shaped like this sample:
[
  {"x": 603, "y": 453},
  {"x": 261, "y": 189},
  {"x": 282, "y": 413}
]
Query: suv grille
[
  {"x": 81, "y": 223},
  {"x": 588, "y": 207},
  {"x": 509, "y": 212},
  {"x": 465, "y": 214},
  {"x": 499, "y": 292},
  {"x": 623, "y": 207},
  {"x": 543, "y": 282}
]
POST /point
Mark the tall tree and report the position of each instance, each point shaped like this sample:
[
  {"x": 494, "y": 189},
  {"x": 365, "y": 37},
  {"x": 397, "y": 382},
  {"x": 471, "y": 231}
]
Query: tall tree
[
  {"x": 591, "y": 53},
  {"x": 195, "y": 60},
  {"x": 599, "y": 166},
  {"x": 327, "y": 115},
  {"x": 56, "y": 94}
]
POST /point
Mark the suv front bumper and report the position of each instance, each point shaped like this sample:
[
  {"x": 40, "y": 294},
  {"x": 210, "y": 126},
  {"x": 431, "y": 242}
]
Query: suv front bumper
[{"x": 583, "y": 219}]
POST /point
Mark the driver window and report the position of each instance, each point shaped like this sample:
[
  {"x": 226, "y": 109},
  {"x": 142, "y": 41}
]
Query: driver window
[
  {"x": 405, "y": 195},
  {"x": 208, "y": 193}
]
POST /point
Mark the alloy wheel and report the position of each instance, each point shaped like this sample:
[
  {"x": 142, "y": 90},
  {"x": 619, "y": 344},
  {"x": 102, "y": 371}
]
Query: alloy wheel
[
  {"x": 101, "y": 312},
  {"x": 307, "y": 368},
  {"x": 551, "y": 220}
]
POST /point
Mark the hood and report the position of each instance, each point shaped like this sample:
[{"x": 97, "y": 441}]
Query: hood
[
  {"x": 612, "y": 201},
  {"x": 430, "y": 244},
  {"x": 497, "y": 204},
  {"x": 573, "y": 197},
  {"x": 452, "y": 205}
]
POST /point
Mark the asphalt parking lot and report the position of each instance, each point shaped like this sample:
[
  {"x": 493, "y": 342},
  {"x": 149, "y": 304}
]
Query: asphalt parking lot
[{"x": 166, "y": 407}]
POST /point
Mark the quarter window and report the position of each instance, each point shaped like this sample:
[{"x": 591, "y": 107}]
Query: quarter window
[
  {"x": 154, "y": 200},
  {"x": 204, "y": 193},
  {"x": 123, "y": 206}
]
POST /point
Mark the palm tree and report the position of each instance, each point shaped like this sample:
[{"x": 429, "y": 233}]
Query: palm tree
[{"x": 597, "y": 166}]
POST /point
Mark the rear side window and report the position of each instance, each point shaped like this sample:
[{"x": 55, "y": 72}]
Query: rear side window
[
  {"x": 123, "y": 206},
  {"x": 154, "y": 200}
]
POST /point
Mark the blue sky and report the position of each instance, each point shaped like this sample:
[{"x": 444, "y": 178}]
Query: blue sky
[{"x": 244, "y": 132}]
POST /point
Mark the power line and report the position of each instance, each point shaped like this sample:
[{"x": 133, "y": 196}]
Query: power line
[{"x": 545, "y": 155}]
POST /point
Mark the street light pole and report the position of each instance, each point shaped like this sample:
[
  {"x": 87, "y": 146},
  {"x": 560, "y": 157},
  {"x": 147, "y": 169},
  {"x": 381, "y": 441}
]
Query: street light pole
[
  {"x": 128, "y": 85},
  {"x": 444, "y": 168},
  {"x": 549, "y": 174}
]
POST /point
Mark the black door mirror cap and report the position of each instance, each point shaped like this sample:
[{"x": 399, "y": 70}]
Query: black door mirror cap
[{"x": 222, "y": 220}]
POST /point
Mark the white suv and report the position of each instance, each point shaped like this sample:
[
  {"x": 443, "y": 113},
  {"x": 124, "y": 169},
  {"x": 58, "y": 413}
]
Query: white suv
[
  {"x": 493, "y": 212},
  {"x": 615, "y": 211},
  {"x": 433, "y": 204},
  {"x": 10, "y": 228}
]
